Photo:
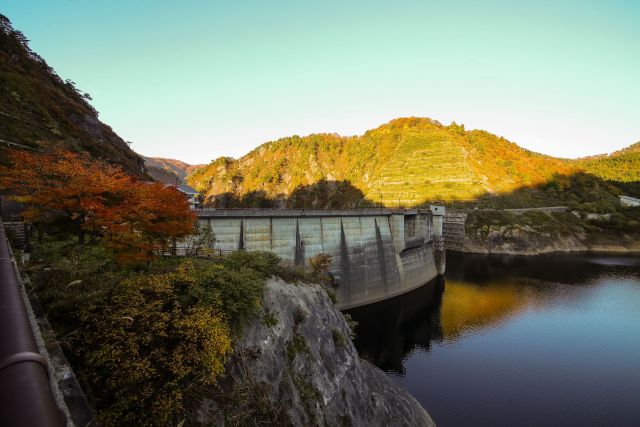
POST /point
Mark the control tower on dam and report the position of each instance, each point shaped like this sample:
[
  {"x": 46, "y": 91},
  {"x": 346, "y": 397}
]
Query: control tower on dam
[{"x": 375, "y": 253}]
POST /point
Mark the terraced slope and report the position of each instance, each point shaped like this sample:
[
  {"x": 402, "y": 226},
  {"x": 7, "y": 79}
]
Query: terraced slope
[
  {"x": 409, "y": 161},
  {"x": 424, "y": 165}
]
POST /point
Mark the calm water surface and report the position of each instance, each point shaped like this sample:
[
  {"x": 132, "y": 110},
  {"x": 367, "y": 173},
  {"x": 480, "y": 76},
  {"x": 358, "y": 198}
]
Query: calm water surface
[{"x": 516, "y": 341}]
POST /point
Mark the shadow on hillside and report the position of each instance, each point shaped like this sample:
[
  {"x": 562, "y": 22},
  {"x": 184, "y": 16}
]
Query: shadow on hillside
[
  {"x": 580, "y": 191},
  {"x": 561, "y": 190},
  {"x": 595, "y": 206},
  {"x": 320, "y": 195}
]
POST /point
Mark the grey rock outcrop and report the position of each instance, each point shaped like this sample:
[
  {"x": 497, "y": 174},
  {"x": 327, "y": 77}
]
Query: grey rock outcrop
[
  {"x": 298, "y": 366},
  {"x": 524, "y": 240},
  {"x": 521, "y": 240}
]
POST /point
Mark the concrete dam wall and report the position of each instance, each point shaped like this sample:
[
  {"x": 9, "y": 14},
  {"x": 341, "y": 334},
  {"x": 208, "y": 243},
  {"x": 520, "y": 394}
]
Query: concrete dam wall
[{"x": 376, "y": 254}]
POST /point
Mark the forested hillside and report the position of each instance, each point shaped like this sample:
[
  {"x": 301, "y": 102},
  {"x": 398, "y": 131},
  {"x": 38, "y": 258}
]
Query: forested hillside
[
  {"x": 621, "y": 167},
  {"x": 38, "y": 109},
  {"x": 410, "y": 162},
  {"x": 405, "y": 162}
]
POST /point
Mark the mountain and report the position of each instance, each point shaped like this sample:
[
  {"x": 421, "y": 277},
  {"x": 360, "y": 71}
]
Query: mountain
[
  {"x": 408, "y": 161},
  {"x": 39, "y": 109},
  {"x": 169, "y": 170}
]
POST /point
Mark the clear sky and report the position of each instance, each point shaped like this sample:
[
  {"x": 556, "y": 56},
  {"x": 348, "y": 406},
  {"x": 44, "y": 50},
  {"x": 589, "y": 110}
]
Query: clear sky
[{"x": 195, "y": 80}]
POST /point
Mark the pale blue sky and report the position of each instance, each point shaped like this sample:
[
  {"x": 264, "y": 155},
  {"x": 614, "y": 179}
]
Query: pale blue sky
[{"x": 194, "y": 80}]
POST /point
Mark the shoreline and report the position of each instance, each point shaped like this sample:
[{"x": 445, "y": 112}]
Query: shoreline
[{"x": 612, "y": 249}]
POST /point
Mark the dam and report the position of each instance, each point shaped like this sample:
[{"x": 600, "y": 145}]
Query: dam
[{"x": 375, "y": 253}]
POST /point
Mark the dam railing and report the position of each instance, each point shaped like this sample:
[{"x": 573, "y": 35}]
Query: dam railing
[{"x": 277, "y": 212}]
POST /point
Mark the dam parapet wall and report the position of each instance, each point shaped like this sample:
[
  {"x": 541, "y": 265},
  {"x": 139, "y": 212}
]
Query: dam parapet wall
[{"x": 375, "y": 253}]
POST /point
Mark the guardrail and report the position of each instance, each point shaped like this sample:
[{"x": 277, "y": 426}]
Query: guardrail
[
  {"x": 298, "y": 212},
  {"x": 185, "y": 251},
  {"x": 26, "y": 398}
]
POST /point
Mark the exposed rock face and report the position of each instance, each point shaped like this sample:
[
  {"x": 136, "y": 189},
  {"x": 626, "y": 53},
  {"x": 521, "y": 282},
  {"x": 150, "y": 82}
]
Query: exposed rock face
[
  {"x": 517, "y": 240},
  {"x": 523, "y": 240},
  {"x": 302, "y": 365}
]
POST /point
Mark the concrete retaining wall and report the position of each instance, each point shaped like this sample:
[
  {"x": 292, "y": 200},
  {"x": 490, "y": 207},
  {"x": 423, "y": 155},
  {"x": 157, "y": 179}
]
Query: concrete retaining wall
[
  {"x": 454, "y": 231},
  {"x": 375, "y": 254}
]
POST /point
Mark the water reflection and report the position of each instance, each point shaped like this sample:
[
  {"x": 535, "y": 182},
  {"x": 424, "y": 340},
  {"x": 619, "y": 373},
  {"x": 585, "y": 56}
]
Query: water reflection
[
  {"x": 468, "y": 307},
  {"x": 563, "y": 268},
  {"x": 549, "y": 340},
  {"x": 387, "y": 331}
]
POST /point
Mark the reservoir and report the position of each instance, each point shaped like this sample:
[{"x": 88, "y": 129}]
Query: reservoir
[{"x": 516, "y": 341}]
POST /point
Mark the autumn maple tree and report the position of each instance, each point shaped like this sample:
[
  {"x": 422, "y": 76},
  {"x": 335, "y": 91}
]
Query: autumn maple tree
[
  {"x": 70, "y": 189},
  {"x": 149, "y": 218}
]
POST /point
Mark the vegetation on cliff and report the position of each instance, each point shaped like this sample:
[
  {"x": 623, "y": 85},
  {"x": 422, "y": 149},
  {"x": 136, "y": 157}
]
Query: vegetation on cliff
[
  {"x": 150, "y": 342},
  {"x": 38, "y": 108},
  {"x": 147, "y": 335},
  {"x": 144, "y": 336},
  {"x": 145, "y": 343}
]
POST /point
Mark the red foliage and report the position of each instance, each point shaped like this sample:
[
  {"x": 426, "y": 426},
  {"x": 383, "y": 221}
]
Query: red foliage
[
  {"x": 149, "y": 218},
  {"x": 135, "y": 218}
]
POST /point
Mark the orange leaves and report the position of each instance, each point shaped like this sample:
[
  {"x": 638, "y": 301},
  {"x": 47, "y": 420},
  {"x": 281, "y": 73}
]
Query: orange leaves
[
  {"x": 136, "y": 218},
  {"x": 61, "y": 183},
  {"x": 149, "y": 218}
]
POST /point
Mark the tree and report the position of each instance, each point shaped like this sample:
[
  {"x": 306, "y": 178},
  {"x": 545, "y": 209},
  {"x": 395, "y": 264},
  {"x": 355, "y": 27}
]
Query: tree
[
  {"x": 203, "y": 238},
  {"x": 135, "y": 218},
  {"x": 150, "y": 217},
  {"x": 62, "y": 187}
]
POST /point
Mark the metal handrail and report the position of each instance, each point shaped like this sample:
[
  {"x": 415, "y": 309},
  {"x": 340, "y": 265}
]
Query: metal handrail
[{"x": 26, "y": 398}]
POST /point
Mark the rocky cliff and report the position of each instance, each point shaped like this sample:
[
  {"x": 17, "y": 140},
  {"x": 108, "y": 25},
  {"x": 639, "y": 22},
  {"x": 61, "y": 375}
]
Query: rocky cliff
[
  {"x": 516, "y": 240},
  {"x": 297, "y": 366},
  {"x": 537, "y": 232}
]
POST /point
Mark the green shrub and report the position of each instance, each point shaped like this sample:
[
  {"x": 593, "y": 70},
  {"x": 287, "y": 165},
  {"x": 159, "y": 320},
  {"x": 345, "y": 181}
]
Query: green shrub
[
  {"x": 143, "y": 341},
  {"x": 265, "y": 263},
  {"x": 319, "y": 265},
  {"x": 240, "y": 291},
  {"x": 145, "y": 351},
  {"x": 332, "y": 295},
  {"x": 269, "y": 320},
  {"x": 338, "y": 338},
  {"x": 296, "y": 345},
  {"x": 352, "y": 324}
]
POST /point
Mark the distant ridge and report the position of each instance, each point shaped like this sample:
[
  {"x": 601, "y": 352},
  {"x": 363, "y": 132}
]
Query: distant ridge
[{"x": 169, "y": 171}]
